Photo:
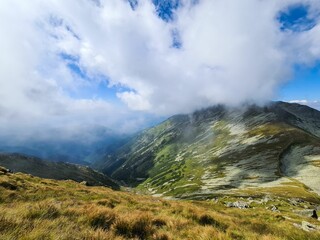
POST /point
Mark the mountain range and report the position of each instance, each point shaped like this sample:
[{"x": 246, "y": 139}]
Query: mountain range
[
  {"x": 218, "y": 150},
  {"x": 222, "y": 149},
  {"x": 55, "y": 170}
]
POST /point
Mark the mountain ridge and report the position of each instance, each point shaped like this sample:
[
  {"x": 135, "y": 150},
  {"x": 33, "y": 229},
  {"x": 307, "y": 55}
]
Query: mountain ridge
[
  {"x": 55, "y": 170},
  {"x": 219, "y": 148}
]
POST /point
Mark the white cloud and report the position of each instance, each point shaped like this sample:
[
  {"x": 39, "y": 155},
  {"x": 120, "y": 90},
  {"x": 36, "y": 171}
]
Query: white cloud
[
  {"x": 313, "y": 104},
  {"x": 232, "y": 52},
  {"x": 134, "y": 101}
]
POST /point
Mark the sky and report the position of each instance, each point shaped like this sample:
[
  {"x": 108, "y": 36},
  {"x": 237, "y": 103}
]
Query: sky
[{"x": 67, "y": 67}]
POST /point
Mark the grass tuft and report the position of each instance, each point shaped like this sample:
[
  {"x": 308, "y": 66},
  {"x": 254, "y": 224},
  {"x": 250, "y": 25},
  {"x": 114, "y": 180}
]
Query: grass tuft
[
  {"x": 102, "y": 219},
  {"x": 44, "y": 211},
  {"x": 49, "y": 209}
]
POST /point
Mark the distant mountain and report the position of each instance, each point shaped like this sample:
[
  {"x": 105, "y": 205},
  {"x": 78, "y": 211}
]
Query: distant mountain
[
  {"x": 83, "y": 149},
  {"x": 55, "y": 170},
  {"x": 223, "y": 149}
]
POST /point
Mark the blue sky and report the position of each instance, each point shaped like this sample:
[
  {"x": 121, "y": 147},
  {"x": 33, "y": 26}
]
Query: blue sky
[
  {"x": 95, "y": 87},
  {"x": 305, "y": 83}
]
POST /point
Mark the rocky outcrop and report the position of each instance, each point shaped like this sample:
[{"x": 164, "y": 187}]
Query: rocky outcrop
[
  {"x": 308, "y": 227},
  {"x": 238, "y": 204}
]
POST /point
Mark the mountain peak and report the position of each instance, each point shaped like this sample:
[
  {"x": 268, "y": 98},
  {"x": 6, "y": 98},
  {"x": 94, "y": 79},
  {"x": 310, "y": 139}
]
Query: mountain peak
[{"x": 221, "y": 148}]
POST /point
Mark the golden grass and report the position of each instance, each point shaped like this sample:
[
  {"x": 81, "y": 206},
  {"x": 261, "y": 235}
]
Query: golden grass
[{"x": 35, "y": 208}]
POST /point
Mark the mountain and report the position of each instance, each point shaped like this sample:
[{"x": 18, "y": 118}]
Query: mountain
[
  {"x": 83, "y": 147},
  {"x": 55, "y": 170},
  {"x": 274, "y": 148}
]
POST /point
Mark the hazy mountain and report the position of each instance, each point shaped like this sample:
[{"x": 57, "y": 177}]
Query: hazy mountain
[
  {"x": 54, "y": 170},
  {"x": 223, "y": 149},
  {"x": 82, "y": 148}
]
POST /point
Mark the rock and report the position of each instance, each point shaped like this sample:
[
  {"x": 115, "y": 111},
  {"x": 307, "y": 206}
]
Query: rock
[
  {"x": 308, "y": 227},
  {"x": 85, "y": 183},
  {"x": 274, "y": 209},
  {"x": 215, "y": 200},
  {"x": 314, "y": 214},
  {"x": 297, "y": 225},
  {"x": 307, "y": 213},
  {"x": 229, "y": 204},
  {"x": 238, "y": 204},
  {"x": 295, "y": 201},
  {"x": 266, "y": 199},
  {"x": 3, "y": 170}
]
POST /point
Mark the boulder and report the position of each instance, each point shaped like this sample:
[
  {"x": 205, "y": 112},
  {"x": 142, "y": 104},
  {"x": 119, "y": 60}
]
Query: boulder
[
  {"x": 295, "y": 201},
  {"x": 308, "y": 227},
  {"x": 85, "y": 183},
  {"x": 314, "y": 214},
  {"x": 3, "y": 170},
  {"x": 274, "y": 208},
  {"x": 307, "y": 213},
  {"x": 238, "y": 204}
]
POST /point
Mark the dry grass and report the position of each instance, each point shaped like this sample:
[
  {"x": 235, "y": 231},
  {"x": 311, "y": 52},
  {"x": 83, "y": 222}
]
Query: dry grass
[{"x": 35, "y": 208}]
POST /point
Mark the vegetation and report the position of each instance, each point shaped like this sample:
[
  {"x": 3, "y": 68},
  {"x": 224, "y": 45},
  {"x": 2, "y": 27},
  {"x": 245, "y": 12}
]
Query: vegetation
[
  {"x": 218, "y": 149},
  {"x": 36, "y": 208},
  {"x": 55, "y": 170}
]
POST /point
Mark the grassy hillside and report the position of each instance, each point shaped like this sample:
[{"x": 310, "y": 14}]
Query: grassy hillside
[
  {"x": 36, "y": 208},
  {"x": 54, "y": 170},
  {"x": 219, "y": 149}
]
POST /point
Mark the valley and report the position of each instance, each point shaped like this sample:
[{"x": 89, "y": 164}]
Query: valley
[{"x": 218, "y": 173}]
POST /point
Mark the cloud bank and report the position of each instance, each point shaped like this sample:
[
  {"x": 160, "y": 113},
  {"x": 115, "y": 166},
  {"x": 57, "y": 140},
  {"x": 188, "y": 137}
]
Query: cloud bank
[
  {"x": 201, "y": 53},
  {"x": 313, "y": 104}
]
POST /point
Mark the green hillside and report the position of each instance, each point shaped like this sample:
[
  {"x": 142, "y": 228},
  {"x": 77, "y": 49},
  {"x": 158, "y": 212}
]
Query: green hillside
[
  {"x": 219, "y": 150},
  {"x": 55, "y": 170}
]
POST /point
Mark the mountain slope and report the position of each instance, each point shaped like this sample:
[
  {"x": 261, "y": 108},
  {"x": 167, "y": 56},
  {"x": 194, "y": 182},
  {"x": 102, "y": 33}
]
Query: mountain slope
[
  {"x": 220, "y": 149},
  {"x": 36, "y": 208},
  {"x": 54, "y": 170}
]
